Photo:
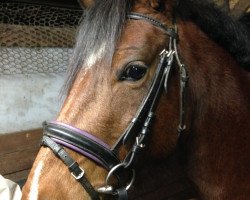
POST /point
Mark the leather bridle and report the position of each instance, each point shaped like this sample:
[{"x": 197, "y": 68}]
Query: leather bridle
[{"x": 57, "y": 134}]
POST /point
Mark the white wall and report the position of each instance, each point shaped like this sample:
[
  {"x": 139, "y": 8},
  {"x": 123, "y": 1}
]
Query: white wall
[{"x": 26, "y": 100}]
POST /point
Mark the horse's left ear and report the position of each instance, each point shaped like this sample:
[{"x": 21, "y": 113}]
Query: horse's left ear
[{"x": 157, "y": 4}]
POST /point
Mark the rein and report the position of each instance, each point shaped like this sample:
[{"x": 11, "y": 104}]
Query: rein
[{"x": 57, "y": 134}]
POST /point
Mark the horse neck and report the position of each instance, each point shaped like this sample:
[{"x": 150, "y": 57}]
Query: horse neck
[{"x": 219, "y": 98}]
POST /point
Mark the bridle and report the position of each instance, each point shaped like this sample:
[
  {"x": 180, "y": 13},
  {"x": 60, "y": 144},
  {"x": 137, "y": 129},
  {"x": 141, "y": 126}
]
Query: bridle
[{"x": 56, "y": 134}]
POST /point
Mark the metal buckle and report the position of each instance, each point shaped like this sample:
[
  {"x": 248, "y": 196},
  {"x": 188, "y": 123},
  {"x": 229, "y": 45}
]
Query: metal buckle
[
  {"x": 79, "y": 175},
  {"x": 139, "y": 143}
]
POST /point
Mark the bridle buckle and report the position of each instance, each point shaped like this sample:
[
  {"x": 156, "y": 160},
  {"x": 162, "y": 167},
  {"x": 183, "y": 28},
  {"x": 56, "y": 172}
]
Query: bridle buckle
[
  {"x": 80, "y": 175},
  {"x": 139, "y": 143}
]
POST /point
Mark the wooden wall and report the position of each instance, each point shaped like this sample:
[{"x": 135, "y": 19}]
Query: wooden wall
[{"x": 17, "y": 153}]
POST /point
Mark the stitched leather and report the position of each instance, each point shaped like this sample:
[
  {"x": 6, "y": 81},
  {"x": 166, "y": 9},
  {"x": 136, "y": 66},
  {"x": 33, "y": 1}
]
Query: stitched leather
[
  {"x": 108, "y": 158},
  {"x": 138, "y": 16},
  {"x": 72, "y": 165},
  {"x": 147, "y": 108}
]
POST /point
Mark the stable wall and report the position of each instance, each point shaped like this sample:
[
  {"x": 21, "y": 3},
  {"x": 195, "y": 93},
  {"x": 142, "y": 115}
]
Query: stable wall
[
  {"x": 36, "y": 41},
  {"x": 27, "y": 98}
]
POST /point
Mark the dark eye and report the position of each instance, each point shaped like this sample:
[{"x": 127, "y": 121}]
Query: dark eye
[{"x": 133, "y": 72}]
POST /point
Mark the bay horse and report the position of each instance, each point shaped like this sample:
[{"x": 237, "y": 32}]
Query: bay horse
[{"x": 148, "y": 77}]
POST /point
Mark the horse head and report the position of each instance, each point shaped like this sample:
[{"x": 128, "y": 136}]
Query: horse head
[{"x": 141, "y": 78}]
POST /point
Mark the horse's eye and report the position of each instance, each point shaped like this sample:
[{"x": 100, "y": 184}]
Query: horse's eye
[{"x": 133, "y": 72}]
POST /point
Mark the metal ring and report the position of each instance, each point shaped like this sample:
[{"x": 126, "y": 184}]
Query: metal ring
[
  {"x": 132, "y": 180},
  {"x": 117, "y": 167},
  {"x": 112, "y": 171}
]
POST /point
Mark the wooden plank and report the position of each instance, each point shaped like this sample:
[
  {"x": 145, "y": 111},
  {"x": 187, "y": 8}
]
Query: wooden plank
[
  {"x": 15, "y": 142},
  {"x": 18, "y": 152},
  {"x": 18, "y": 176},
  {"x": 17, "y": 161}
]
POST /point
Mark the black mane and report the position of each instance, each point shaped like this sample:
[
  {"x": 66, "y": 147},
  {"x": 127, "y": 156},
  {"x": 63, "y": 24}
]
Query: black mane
[{"x": 232, "y": 35}]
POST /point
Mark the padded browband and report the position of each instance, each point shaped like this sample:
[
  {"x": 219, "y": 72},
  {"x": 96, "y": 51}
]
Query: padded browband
[
  {"x": 81, "y": 142},
  {"x": 138, "y": 16}
]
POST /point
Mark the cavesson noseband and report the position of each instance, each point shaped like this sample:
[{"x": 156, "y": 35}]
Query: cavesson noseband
[{"x": 57, "y": 134}]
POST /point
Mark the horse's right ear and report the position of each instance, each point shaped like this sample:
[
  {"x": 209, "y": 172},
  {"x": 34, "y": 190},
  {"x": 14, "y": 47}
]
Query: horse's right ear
[{"x": 86, "y": 3}]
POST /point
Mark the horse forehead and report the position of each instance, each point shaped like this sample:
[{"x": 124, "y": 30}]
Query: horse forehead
[
  {"x": 139, "y": 40},
  {"x": 141, "y": 34}
]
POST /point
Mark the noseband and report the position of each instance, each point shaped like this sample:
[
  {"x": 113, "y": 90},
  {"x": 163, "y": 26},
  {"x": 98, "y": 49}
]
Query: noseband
[{"x": 56, "y": 134}]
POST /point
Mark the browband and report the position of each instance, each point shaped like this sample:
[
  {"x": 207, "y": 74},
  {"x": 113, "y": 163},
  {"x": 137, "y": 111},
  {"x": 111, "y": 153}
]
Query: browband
[{"x": 138, "y": 16}]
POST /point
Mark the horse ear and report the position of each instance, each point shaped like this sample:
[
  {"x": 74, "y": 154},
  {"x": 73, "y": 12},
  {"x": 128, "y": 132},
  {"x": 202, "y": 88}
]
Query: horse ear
[
  {"x": 157, "y": 4},
  {"x": 86, "y": 3}
]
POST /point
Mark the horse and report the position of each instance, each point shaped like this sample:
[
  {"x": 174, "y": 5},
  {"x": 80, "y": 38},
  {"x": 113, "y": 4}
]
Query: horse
[{"x": 148, "y": 77}]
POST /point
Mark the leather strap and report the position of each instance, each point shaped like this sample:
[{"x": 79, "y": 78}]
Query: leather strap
[
  {"x": 88, "y": 146},
  {"x": 72, "y": 165},
  {"x": 138, "y": 16},
  {"x": 141, "y": 123},
  {"x": 122, "y": 194}
]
